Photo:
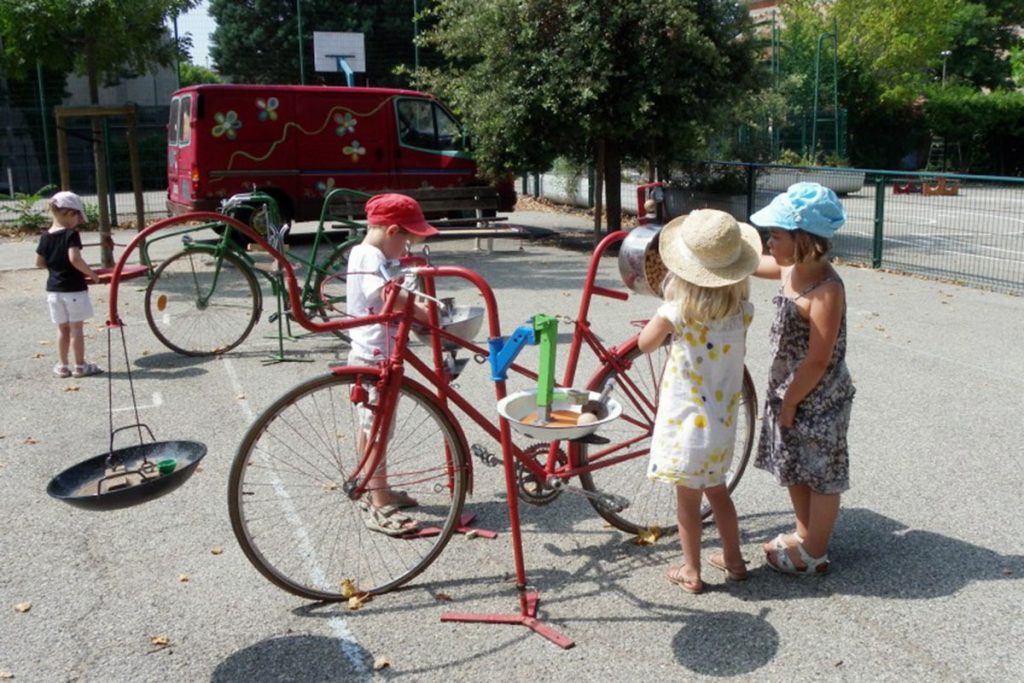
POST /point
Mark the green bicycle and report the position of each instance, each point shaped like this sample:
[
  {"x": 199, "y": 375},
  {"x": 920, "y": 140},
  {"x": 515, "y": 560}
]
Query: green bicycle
[{"x": 205, "y": 299}]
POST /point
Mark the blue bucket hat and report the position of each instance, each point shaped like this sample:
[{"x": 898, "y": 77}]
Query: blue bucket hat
[{"x": 810, "y": 207}]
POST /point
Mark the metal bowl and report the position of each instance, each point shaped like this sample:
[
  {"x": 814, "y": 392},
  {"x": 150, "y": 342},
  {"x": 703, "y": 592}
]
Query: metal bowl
[
  {"x": 518, "y": 407},
  {"x": 461, "y": 321},
  {"x": 91, "y": 485}
]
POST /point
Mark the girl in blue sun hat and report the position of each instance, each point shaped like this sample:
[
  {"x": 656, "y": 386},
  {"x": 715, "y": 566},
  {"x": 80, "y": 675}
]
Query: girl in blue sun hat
[{"x": 810, "y": 393}]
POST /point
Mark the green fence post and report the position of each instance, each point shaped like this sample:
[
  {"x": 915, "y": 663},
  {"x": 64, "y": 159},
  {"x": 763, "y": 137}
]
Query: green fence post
[
  {"x": 751, "y": 187},
  {"x": 876, "y": 244},
  {"x": 111, "y": 191}
]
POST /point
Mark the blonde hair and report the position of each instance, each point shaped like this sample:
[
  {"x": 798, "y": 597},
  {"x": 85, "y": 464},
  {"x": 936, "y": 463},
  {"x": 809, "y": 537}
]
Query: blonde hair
[
  {"x": 701, "y": 305},
  {"x": 808, "y": 247}
]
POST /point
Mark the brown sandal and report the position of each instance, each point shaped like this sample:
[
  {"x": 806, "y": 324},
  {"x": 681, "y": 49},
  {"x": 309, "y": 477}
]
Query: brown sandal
[
  {"x": 735, "y": 573},
  {"x": 675, "y": 575}
]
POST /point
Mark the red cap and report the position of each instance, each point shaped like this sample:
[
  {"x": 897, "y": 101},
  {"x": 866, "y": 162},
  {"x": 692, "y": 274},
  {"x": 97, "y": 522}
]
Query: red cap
[{"x": 401, "y": 210}]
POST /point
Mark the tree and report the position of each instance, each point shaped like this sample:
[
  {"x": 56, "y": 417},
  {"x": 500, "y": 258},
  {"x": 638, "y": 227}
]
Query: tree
[
  {"x": 99, "y": 39},
  {"x": 256, "y": 41},
  {"x": 192, "y": 74},
  {"x": 621, "y": 79}
]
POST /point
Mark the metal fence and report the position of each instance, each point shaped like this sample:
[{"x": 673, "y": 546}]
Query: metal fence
[{"x": 961, "y": 228}]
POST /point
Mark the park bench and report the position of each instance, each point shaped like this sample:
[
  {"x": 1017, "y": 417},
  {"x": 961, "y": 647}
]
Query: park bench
[{"x": 470, "y": 211}]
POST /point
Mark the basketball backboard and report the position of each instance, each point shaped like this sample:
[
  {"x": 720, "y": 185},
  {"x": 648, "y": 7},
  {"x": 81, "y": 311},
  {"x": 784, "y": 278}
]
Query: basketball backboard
[{"x": 329, "y": 46}]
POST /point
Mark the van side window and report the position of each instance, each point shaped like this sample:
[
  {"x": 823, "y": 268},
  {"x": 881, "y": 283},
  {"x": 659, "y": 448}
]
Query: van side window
[
  {"x": 172, "y": 121},
  {"x": 185, "y": 127},
  {"x": 424, "y": 124}
]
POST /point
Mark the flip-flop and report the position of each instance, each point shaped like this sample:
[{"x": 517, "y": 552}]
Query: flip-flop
[
  {"x": 674, "y": 574},
  {"x": 388, "y": 520},
  {"x": 717, "y": 560}
]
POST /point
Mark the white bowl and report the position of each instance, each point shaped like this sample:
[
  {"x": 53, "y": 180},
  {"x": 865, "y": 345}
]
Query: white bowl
[
  {"x": 518, "y": 406},
  {"x": 463, "y": 322}
]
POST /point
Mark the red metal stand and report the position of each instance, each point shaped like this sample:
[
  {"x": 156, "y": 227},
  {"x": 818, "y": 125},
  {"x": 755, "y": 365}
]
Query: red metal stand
[
  {"x": 527, "y": 601},
  {"x": 527, "y": 618}
]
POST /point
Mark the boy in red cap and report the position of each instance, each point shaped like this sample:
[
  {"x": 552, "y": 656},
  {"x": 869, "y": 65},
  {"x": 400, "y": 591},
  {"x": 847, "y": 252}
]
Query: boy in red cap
[{"x": 394, "y": 222}]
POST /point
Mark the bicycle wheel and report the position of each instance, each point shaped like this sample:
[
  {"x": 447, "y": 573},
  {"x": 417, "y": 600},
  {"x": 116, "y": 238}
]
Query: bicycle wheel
[
  {"x": 329, "y": 286},
  {"x": 198, "y": 304},
  {"x": 288, "y": 499},
  {"x": 651, "y": 503}
]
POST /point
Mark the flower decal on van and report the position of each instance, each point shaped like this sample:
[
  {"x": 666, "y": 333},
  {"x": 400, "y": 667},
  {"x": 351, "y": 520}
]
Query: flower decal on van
[
  {"x": 268, "y": 108},
  {"x": 354, "y": 151},
  {"x": 346, "y": 124},
  {"x": 227, "y": 124}
]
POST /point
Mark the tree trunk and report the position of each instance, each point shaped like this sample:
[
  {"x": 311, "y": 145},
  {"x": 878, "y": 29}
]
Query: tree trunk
[
  {"x": 99, "y": 161},
  {"x": 613, "y": 185},
  {"x": 598, "y": 188}
]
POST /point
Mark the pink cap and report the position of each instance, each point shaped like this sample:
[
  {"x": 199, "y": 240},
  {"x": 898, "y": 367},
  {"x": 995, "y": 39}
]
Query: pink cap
[{"x": 401, "y": 210}]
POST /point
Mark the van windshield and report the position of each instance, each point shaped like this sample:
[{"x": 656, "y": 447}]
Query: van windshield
[{"x": 425, "y": 124}]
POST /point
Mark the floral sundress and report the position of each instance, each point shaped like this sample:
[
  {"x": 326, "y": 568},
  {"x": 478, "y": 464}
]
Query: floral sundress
[
  {"x": 814, "y": 450},
  {"x": 695, "y": 428}
]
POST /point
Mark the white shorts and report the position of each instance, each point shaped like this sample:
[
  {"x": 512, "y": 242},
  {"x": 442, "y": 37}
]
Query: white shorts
[
  {"x": 365, "y": 414},
  {"x": 69, "y": 307}
]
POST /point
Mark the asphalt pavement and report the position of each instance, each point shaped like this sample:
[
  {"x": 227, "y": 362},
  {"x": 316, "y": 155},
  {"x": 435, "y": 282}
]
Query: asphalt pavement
[{"x": 928, "y": 574}]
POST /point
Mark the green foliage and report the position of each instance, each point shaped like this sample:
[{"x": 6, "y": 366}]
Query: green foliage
[
  {"x": 538, "y": 79},
  {"x": 101, "y": 39},
  {"x": 257, "y": 41},
  {"x": 28, "y": 218},
  {"x": 192, "y": 74}
]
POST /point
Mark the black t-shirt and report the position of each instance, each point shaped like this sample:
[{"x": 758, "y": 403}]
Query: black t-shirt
[{"x": 53, "y": 247}]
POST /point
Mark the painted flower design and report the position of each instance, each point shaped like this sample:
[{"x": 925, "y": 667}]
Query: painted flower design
[
  {"x": 227, "y": 124},
  {"x": 354, "y": 151},
  {"x": 346, "y": 124},
  {"x": 268, "y": 108},
  {"x": 325, "y": 187}
]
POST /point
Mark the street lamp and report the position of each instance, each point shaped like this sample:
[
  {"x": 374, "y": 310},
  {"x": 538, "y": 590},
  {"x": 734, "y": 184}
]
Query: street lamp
[{"x": 945, "y": 56}]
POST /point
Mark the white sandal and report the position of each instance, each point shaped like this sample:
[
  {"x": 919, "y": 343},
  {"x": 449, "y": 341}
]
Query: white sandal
[
  {"x": 779, "y": 542},
  {"x": 813, "y": 566}
]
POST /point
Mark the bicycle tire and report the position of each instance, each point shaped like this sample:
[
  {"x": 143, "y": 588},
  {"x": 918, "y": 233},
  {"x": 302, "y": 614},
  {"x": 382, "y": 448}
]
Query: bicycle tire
[
  {"x": 333, "y": 307},
  {"x": 652, "y": 503},
  {"x": 185, "y": 324},
  {"x": 289, "y": 506}
]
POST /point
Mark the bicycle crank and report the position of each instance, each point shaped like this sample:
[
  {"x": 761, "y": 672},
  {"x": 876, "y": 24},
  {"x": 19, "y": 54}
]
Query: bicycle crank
[{"x": 609, "y": 501}]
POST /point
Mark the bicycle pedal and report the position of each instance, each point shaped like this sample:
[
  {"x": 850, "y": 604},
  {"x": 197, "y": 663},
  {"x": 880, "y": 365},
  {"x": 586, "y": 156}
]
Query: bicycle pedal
[
  {"x": 485, "y": 456},
  {"x": 272, "y": 318},
  {"x": 613, "y": 502}
]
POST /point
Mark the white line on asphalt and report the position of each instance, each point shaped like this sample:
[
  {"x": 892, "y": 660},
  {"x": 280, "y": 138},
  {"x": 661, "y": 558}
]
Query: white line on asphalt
[
  {"x": 158, "y": 400},
  {"x": 350, "y": 647}
]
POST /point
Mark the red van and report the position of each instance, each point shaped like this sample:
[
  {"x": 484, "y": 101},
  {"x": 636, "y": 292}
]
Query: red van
[{"x": 297, "y": 142}]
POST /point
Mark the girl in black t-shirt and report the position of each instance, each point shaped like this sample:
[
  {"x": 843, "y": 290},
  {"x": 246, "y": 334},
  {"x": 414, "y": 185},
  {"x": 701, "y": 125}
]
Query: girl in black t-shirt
[{"x": 60, "y": 252}]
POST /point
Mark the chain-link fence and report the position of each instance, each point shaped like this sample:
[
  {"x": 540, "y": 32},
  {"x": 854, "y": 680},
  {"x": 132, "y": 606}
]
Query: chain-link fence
[{"x": 961, "y": 228}]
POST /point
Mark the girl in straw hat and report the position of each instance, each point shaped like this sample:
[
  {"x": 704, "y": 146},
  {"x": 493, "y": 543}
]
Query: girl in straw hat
[
  {"x": 709, "y": 257},
  {"x": 810, "y": 393}
]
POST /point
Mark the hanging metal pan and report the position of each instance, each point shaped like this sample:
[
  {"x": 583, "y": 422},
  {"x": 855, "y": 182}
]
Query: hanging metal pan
[{"x": 128, "y": 476}]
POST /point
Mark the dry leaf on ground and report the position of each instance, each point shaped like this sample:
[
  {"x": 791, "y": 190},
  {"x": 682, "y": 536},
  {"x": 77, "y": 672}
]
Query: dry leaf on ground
[
  {"x": 381, "y": 663},
  {"x": 23, "y": 607},
  {"x": 216, "y": 551}
]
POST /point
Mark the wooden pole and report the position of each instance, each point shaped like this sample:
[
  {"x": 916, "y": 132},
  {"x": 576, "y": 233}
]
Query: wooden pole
[
  {"x": 133, "y": 157},
  {"x": 100, "y": 164}
]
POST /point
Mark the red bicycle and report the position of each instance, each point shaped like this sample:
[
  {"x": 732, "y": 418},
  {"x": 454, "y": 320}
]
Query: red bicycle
[{"x": 299, "y": 483}]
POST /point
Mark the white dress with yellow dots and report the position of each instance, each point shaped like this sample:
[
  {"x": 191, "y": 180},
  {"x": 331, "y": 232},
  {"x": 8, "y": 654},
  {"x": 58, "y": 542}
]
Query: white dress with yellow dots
[{"x": 695, "y": 428}]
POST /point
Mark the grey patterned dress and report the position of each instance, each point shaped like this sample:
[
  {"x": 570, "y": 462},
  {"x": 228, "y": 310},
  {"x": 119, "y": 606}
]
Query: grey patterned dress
[{"x": 813, "y": 451}]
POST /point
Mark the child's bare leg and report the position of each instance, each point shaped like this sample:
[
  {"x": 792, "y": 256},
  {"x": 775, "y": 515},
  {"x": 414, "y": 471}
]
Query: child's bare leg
[
  {"x": 688, "y": 515},
  {"x": 78, "y": 342},
  {"x": 824, "y": 510},
  {"x": 63, "y": 342},
  {"x": 724, "y": 513},
  {"x": 800, "y": 496}
]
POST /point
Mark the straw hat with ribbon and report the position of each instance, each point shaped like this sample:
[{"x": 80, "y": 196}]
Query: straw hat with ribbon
[{"x": 709, "y": 248}]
